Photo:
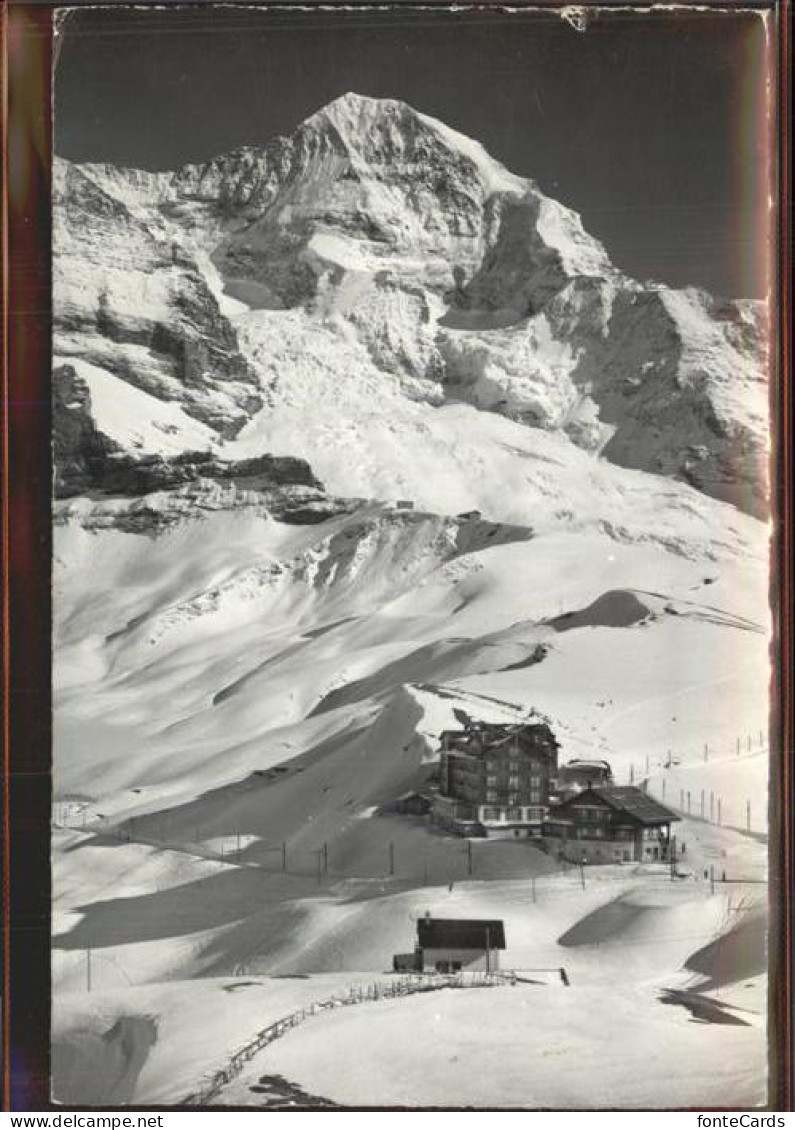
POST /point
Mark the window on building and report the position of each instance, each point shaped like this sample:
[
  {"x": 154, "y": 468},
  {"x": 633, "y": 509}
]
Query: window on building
[
  {"x": 491, "y": 794},
  {"x": 492, "y": 813},
  {"x": 492, "y": 780},
  {"x": 513, "y": 781}
]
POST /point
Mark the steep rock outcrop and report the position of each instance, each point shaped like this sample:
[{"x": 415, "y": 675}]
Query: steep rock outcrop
[{"x": 135, "y": 302}]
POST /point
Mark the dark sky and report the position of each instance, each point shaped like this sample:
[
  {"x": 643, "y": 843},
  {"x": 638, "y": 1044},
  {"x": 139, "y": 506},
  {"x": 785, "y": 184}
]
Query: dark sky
[{"x": 651, "y": 125}]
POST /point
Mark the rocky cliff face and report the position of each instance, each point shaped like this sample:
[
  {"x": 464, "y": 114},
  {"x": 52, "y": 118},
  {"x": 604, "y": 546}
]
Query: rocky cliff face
[
  {"x": 135, "y": 303},
  {"x": 375, "y": 254}
]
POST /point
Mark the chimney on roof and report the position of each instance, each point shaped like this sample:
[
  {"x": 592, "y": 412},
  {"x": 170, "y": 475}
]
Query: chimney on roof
[{"x": 427, "y": 915}]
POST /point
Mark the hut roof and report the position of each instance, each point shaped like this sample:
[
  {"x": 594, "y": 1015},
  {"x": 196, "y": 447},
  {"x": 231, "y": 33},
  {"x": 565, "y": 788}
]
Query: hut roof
[{"x": 461, "y": 933}]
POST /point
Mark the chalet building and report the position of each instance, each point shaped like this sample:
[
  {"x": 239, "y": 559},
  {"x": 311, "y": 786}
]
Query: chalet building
[
  {"x": 610, "y": 824},
  {"x": 581, "y": 773},
  {"x": 494, "y": 779},
  {"x": 449, "y": 945}
]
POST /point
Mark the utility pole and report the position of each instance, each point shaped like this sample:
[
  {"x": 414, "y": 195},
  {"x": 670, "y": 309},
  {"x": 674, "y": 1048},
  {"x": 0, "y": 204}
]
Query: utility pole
[
  {"x": 533, "y": 887},
  {"x": 688, "y": 802},
  {"x": 681, "y": 800},
  {"x": 632, "y": 774},
  {"x": 712, "y": 879},
  {"x": 469, "y": 857},
  {"x": 488, "y": 949},
  {"x": 325, "y": 858},
  {"x": 284, "y": 855},
  {"x": 88, "y": 969},
  {"x": 672, "y": 856},
  {"x": 702, "y": 804},
  {"x": 647, "y": 764},
  {"x": 706, "y": 752},
  {"x": 748, "y": 815},
  {"x": 719, "y": 811},
  {"x": 663, "y": 788},
  {"x": 391, "y": 858},
  {"x": 582, "y": 874},
  {"x": 711, "y": 807},
  {"x": 738, "y": 747}
]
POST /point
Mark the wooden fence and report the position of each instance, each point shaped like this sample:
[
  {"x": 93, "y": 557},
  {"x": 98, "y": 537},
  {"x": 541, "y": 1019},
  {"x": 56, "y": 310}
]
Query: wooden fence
[{"x": 357, "y": 994}]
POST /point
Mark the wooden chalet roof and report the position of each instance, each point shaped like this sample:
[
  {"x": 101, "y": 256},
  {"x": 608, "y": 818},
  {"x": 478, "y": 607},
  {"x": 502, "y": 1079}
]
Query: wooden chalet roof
[
  {"x": 629, "y": 801},
  {"x": 460, "y": 933}
]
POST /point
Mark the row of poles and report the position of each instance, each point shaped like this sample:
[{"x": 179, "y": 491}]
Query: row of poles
[
  {"x": 741, "y": 745},
  {"x": 232, "y": 849},
  {"x": 712, "y": 812}
]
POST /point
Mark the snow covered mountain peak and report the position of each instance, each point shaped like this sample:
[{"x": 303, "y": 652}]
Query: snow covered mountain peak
[
  {"x": 373, "y": 261},
  {"x": 384, "y": 131}
]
